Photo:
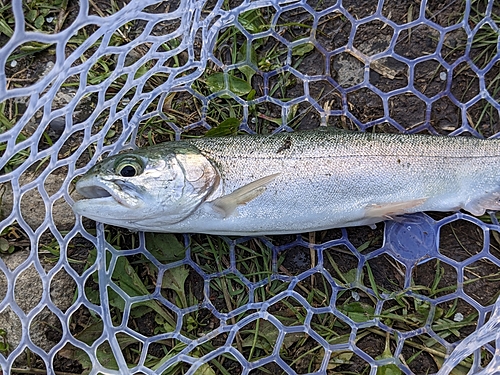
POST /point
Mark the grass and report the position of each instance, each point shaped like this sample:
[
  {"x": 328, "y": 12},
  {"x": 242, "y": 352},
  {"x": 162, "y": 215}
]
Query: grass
[
  {"x": 483, "y": 116},
  {"x": 232, "y": 274},
  {"x": 9, "y": 114},
  {"x": 39, "y": 16},
  {"x": 218, "y": 258},
  {"x": 484, "y": 49}
]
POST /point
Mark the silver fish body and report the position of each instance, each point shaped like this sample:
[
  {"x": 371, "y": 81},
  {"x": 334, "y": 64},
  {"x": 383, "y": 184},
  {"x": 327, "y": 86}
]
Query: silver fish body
[{"x": 290, "y": 182}]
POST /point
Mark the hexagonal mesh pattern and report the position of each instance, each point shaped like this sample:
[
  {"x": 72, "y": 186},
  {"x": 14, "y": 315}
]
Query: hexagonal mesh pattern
[{"x": 342, "y": 301}]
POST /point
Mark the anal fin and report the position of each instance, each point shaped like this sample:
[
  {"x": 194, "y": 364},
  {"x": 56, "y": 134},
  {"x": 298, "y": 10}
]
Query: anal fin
[
  {"x": 389, "y": 210},
  {"x": 227, "y": 204},
  {"x": 478, "y": 206}
]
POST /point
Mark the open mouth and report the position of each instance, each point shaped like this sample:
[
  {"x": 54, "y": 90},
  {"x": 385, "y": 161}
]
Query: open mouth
[
  {"x": 96, "y": 189},
  {"x": 93, "y": 192}
]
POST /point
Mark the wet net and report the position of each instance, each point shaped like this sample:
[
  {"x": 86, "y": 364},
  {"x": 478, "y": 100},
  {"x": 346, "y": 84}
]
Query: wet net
[{"x": 82, "y": 80}]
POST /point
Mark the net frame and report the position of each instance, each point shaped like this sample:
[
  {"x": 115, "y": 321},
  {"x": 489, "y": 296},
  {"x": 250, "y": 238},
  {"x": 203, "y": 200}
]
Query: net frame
[{"x": 198, "y": 31}]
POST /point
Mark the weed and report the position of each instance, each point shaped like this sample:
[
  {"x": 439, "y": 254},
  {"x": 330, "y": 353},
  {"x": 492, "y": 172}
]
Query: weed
[
  {"x": 4, "y": 345},
  {"x": 12, "y": 239}
]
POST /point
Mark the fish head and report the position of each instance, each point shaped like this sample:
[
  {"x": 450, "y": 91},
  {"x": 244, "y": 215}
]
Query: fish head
[{"x": 147, "y": 187}]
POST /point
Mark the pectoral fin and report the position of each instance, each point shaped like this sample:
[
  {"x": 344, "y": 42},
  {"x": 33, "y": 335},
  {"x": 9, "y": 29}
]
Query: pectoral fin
[
  {"x": 388, "y": 210},
  {"x": 227, "y": 204}
]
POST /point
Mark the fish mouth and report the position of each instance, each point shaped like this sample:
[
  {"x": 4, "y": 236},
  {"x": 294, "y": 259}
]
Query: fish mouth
[
  {"x": 93, "y": 192},
  {"x": 96, "y": 189}
]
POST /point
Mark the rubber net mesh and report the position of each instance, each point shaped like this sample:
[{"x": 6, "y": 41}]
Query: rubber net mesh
[{"x": 408, "y": 297}]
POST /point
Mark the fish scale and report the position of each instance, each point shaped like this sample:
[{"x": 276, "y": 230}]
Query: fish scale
[{"x": 319, "y": 180}]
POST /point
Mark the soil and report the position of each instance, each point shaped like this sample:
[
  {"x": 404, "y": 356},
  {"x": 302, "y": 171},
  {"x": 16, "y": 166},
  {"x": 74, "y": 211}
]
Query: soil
[{"x": 459, "y": 240}]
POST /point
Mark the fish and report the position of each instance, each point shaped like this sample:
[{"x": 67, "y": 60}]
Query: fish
[{"x": 288, "y": 183}]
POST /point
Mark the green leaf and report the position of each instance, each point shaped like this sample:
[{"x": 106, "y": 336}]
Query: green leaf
[
  {"x": 90, "y": 333},
  {"x": 165, "y": 247},
  {"x": 39, "y": 21},
  {"x": 176, "y": 349},
  {"x": 251, "y": 95},
  {"x": 253, "y": 21},
  {"x": 423, "y": 309},
  {"x": 33, "y": 47},
  {"x": 124, "y": 340},
  {"x": 192, "y": 324},
  {"x": 116, "y": 301},
  {"x": 350, "y": 276},
  {"x": 31, "y": 15},
  {"x": 302, "y": 49},
  {"x": 4, "y": 245},
  {"x": 92, "y": 295},
  {"x": 461, "y": 369},
  {"x": 205, "y": 369},
  {"x": 174, "y": 279},
  {"x": 141, "y": 71},
  {"x": 127, "y": 279},
  {"x": 339, "y": 359},
  {"x": 29, "y": 49},
  {"x": 247, "y": 71},
  {"x": 364, "y": 246},
  {"x": 390, "y": 369},
  {"x": 358, "y": 311},
  {"x": 216, "y": 82},
  {"x": 106, "y": 356},
  {"x": 242, "y": 57},
  {"x": 163, "y": 325},
  {"x": 111, "y": 133},
  {"x": 229, "y": 126},
  {"x": 5, "y": 28},
  {"x": 139, "y": 310},
  {"x": 267, "y": 334}
]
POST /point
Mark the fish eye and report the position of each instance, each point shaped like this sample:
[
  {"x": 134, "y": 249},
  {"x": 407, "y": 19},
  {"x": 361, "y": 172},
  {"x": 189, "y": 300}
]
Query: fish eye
[
  {"x": 128, "y": 168},
  {"x": 128, "y": 171}
]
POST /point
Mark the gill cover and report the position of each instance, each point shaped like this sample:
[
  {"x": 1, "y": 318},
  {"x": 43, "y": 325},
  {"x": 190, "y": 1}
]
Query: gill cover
[
  {"x": 200, "y": 179},
  {"x": 176, "y": 180}
]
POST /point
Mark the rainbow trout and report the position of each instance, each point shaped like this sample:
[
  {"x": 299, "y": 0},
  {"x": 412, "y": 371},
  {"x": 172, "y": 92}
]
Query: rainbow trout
[{"x": 290, "y": 182}]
